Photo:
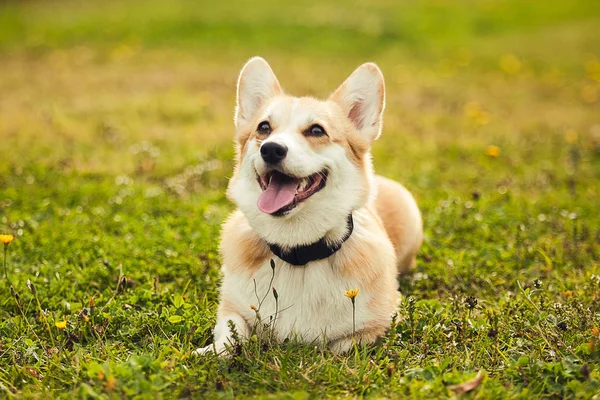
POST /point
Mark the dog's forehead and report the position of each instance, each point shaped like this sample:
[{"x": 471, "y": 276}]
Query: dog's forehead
[{"x": 297, "y": 110}]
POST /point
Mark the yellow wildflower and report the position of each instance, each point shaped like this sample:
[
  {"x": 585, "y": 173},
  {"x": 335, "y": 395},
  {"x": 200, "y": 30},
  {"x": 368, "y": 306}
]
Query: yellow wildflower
[
  {"x": 571, "y": 136},
  {"x": 61, "y": 324},
  {"x": 475, "y": 113},
  {"x": 493, "y": 151},
  {"x": 510, "y": 64},
  {"x": 351, "y": 294},
  {"x": 595, "y": 331},
  {"x": 6, "y": 239}
]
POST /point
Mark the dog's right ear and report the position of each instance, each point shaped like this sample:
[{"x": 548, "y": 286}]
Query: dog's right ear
[{"x": 256, "y": 85}]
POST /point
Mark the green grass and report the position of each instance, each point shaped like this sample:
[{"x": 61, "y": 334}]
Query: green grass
[{"x": 115, "y": 150}]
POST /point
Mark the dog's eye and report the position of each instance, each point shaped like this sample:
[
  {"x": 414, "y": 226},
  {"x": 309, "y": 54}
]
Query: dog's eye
[
  {"x": 315, "y": 130},
  {"x": 264, "y": 128}
]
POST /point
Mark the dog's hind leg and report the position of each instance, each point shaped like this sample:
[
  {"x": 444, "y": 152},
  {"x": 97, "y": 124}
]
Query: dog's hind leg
[{"x": 401, "y": 218}]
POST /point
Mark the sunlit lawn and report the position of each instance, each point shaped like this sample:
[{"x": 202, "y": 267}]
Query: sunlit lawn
[{"x": 116, "y": 146}]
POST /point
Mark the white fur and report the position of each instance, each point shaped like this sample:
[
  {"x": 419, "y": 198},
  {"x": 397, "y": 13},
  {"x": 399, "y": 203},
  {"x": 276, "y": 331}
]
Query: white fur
[
  {"x": 321, "y": 215},
  {"x": 311, "y": 305},
  {"x": 256, "y": 85},
  {"x": 364, "y": 91}
]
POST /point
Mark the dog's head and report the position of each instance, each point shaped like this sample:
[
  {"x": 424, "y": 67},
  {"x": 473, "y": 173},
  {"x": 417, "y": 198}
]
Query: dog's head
[{"x": 303, "y": 164}]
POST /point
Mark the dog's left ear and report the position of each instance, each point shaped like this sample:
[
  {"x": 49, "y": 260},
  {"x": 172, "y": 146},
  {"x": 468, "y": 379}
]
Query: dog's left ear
[
  {"x": 362, "y": 97},
  {"x": 256, "y": 85}
]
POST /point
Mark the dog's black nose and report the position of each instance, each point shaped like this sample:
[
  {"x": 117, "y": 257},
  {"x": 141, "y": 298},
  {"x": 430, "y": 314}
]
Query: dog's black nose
[{"x": 272, "y": 152}]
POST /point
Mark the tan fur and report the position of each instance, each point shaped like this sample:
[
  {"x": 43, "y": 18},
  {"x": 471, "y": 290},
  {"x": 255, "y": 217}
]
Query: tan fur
[
  {"x": 402, "y": 224},
  {"x": 369, "y": 259},
  {"x": 226, "y": 307},
  {"x": 387, "y": 223},
  {"x": 371, "y": 249},
  {"x": 241, "y": 248}
]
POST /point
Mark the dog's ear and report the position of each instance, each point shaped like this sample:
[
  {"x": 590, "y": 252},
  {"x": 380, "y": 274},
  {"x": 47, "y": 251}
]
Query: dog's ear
[
  {"x": 362, "y": 97},
  {"x": 257, "y": 84}
]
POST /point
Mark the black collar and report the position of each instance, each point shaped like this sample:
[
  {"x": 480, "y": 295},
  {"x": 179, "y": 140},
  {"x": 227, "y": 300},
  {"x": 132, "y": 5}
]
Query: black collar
[{"x": 302, "y": 255}]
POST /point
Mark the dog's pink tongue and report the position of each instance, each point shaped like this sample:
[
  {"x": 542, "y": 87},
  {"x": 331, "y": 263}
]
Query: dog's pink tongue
[{"x": 279, "y": 193}]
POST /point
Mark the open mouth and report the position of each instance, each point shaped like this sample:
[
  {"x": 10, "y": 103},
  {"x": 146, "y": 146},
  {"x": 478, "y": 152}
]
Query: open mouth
[{"x": 282, "y": 193}]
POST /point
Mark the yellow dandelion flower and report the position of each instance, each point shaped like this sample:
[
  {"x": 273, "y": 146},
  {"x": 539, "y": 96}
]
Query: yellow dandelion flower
[
  {"x": 493, "y": 151},
  {"x": 567, "y": 293},
  {"x": 510, "y": 64},
  {"x": 351, "y": 294},
  {"x": 571, "y": 136},
  {"x": 61, "y": 324},
  {"x": 476, "y": 114},
  {"x": 595, "y": 331},
  {"x": 6, "y": 239}
]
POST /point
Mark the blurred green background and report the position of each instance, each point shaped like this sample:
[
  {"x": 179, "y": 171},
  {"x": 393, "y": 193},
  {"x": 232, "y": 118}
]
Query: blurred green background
[
  {"x": 116, "y": 130},
  {"x": 165, "y": 71}
]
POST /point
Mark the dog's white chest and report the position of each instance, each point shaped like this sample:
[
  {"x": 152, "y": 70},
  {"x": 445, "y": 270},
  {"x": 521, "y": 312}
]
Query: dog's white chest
[{"x": 310, "y": 300}]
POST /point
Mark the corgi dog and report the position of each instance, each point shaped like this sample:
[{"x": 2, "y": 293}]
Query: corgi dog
[{"x": 313, "y": 221}]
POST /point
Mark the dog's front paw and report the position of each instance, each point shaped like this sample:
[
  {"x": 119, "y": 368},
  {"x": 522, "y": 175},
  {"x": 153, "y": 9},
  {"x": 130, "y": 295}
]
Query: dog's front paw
[
  {"x": 200, "y": 351},
  {"x": 214, "y": 348}
]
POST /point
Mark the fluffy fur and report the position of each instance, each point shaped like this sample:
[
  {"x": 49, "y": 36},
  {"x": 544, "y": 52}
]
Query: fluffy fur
[{"x": 387, "y": 226}]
